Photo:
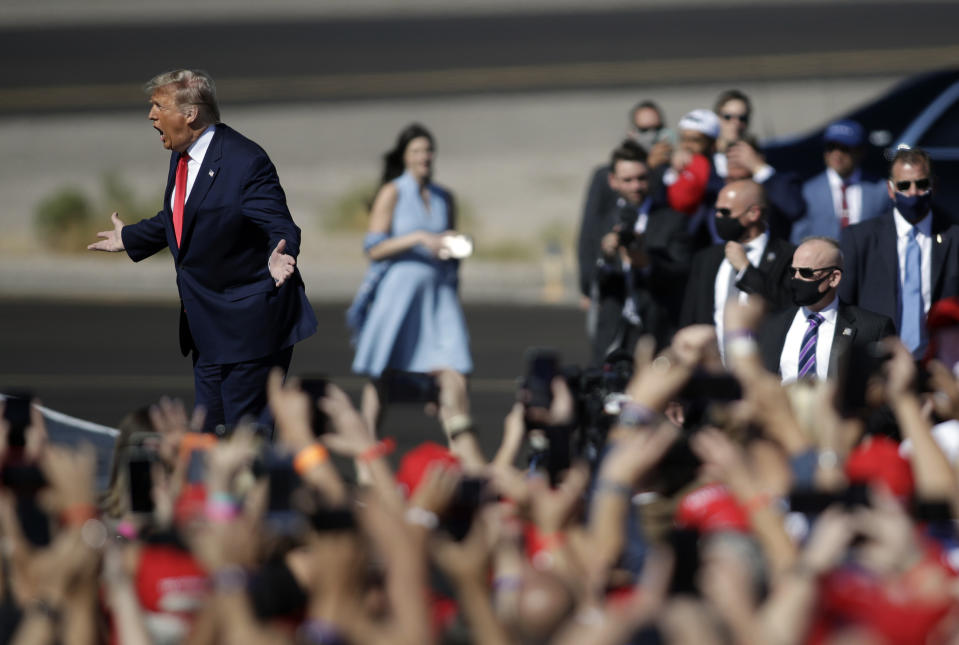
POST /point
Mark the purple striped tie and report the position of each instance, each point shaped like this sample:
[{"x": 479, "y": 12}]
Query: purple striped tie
[{"x": 807, "y": 354}]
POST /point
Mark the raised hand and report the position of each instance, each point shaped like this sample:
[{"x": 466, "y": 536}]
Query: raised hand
[
  {"x": 112, "y": 241},
  {"x": 281, "y": 265}
]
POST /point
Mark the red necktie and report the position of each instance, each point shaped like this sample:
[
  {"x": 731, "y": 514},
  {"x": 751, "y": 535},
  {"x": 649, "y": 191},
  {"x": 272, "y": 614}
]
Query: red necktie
[
  {"x": 844, "y": 218},
  {"x": 179, "y": 196}
]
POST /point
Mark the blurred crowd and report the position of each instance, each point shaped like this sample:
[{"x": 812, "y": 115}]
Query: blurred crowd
[{"x": 762, "y": 450}]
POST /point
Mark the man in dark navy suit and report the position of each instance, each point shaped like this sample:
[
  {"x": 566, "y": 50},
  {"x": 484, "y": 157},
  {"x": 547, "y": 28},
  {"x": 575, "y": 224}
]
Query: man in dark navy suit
[
  {"x": 234, "y": 245},
  {"x": 639, "y": 261},
  {"x": 750, "y": 261},
  {"x": 901, "y": 262},
  {"x": 815, "y": 337}
]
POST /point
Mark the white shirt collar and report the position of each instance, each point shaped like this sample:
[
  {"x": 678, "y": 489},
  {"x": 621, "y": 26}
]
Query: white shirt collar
[
  {"x": 829, "y": 312},
  {"x": 836, "y": 180},
  {"x": 903, "y": 226},
  {"x": 758, "y": 243},
  {"x": 197, "y": 149}
]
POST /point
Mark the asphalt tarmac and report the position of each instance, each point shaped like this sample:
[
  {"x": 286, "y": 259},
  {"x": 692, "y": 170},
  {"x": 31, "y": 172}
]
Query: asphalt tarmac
[
  {"x": 98, "y": 361},
  {"x": 312, "y": 58}
]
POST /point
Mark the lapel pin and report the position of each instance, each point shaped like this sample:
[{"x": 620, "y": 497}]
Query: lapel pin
[
  {"x": 211, "y": 172},
  {"x": 847, "y": 331},
  {"x": 770, "y": 256},
  {"x": 938, "y": 238}
]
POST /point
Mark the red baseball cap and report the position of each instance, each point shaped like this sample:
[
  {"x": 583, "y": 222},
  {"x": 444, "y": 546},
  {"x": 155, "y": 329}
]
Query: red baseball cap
[
  {"x": 416, "y": 462},
  {"x": 711, "y": 509},
  {"x": 877, "y": 459}
]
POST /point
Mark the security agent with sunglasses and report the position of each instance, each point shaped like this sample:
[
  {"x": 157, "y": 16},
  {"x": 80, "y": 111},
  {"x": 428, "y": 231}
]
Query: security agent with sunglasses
[
  {"x": 842, "y": 194},
  {"x": 639, "y": 263},
  {"x": 898, "y": 264},
  {"x": 809, "y": 339},
  {"x": 750, "y": 261}
]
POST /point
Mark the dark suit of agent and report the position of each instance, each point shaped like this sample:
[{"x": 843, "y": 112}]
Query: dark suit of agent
[
  {"x": 901, "y": 262},
  {"x": 647, "y": 128},
  {"x": 639, "y": 264},
  {"x": 749, "y": 262},
  {"x": 234, "y": 246},
  {"x": 841, "y": 331}
]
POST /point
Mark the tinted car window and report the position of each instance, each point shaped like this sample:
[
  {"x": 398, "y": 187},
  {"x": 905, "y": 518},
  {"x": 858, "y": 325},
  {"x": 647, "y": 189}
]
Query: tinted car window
[{"x": 944, "y": 132}]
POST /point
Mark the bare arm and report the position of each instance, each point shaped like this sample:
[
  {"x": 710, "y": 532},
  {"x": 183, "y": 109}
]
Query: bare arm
[
  {"x": 381, "y": 220},
  {"x": 935, "y": 478}
]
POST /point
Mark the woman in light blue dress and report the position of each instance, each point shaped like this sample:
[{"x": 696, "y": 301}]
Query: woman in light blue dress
[{"x": 407, "y": 315}]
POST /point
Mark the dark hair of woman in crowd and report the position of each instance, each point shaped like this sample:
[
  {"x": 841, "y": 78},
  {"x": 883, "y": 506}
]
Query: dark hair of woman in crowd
[{"x": 393, "y": 165}]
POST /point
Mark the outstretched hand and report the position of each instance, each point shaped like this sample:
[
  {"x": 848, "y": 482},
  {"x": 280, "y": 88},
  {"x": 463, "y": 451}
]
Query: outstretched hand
[
  {"x": 111, "y": 241},
  {"x": 281, "y": 264}
]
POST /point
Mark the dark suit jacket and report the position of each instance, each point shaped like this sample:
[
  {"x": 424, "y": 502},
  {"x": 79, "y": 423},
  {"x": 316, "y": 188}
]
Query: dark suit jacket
[
  {"x": 598, "y": 219},
  {"x": 234, "y": 217},
  {"x": 769, "y": 279},
  {"x": 600, "y": 201},
  {"x": 871, "y": 276},
  {"x": 657, "y": 293},
  {"x": 855, "y": 329}
]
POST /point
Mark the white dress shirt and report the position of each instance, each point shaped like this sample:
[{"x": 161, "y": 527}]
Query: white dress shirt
[
  {"x": 789, "y": 359},
  {"x": 853, "y": 194},
  {"x": 197, "y": 152},
  {"x": 754, "y": 253}
]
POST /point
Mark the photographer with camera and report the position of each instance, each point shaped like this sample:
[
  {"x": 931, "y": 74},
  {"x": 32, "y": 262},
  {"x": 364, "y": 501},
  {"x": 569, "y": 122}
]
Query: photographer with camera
[{"x": 640, "y": 262}]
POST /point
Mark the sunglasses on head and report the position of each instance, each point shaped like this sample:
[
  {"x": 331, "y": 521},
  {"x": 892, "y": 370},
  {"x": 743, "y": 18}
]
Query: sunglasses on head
[
  {"x": 809, "y": 273},
  {"x": 922, "y": 185},
  {"x": 728, "y": 116}
]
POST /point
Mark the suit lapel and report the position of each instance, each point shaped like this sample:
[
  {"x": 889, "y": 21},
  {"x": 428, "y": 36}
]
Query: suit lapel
[
  {"x": 828, "y": 205},
  {"x": 779, "y": 328},
  {"x": 842, "y": 339},
  {"x": 709, "y": 284},
  {"x": 774, "y": 248},
  {"x": 886, "y": 263},
  {"x": 941, "y": 248},
  {"x": 167, "y": 195},
  {"x": 201, "y": 185}
]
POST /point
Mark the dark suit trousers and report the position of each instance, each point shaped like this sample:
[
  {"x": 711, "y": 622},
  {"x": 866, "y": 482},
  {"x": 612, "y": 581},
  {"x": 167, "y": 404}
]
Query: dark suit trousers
[{"x": 232, "y": 391}]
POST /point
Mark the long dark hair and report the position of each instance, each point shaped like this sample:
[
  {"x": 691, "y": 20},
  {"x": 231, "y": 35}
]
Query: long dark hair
[{"x": 393, "y": 165}]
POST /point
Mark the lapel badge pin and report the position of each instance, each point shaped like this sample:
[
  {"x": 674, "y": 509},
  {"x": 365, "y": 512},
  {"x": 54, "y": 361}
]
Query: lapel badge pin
[
  {"x": 847, "y": 331},
  {"x": 770, "y": 256},
  {"x": 211, "y": 172},
  {"x": 938, "y": 238}
]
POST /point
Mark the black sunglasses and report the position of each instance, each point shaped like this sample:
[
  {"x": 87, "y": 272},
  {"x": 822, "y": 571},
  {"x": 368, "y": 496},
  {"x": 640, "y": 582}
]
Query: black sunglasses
[
  {"x": 922, "y": 185},
  {"x": 655, "y": 128},
  {"x": 808, "y": 273},
  {"x": 742, "y": 118}
]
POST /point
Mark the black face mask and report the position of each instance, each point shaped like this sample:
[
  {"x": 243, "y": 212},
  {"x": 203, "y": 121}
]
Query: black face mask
[
  {"x": 729, "y": 229},
  {"x": 913, "y": 207},
  {"x": 806, "y": 292}
]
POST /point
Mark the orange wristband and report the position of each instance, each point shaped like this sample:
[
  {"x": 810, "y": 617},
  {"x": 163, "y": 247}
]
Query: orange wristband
[
  {"x": 309, "y": 458},
  {"x": 379, "y": 449},
  {"x": 77, "y": 514}
]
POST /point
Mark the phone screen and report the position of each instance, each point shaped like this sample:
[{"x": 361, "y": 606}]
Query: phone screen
[
  {"x": 141, "y": 484},
  {"x": 410, "y": 387},
  {"x": 542, "y": 366},
  {"x": 315, "y": 387}
]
